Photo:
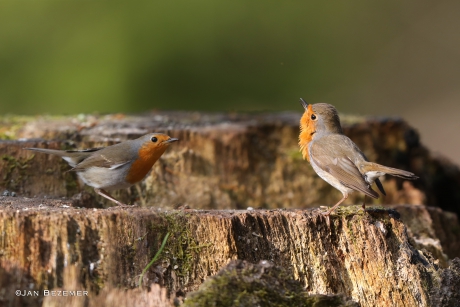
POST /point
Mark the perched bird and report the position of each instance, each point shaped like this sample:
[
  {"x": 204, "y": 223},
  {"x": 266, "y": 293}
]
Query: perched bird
[
  {"x": 115, "y": 167},
  {"x": 335, "y": 158}
]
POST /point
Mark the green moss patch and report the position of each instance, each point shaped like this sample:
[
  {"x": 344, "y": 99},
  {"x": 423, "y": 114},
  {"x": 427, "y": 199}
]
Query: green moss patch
[{"x": 243, "y": 284}]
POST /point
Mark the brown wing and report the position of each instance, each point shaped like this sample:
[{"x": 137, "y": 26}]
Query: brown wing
[
  {"x": 110, "y": 157},
  {"x": 380, "y": 186},
  {"x": 99, "y": 160},
  {"x": 334, "y": 160}
]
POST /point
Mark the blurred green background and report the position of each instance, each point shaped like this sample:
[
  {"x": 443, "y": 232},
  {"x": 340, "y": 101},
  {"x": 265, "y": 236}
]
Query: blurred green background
[{"x": 366, "y": 57}]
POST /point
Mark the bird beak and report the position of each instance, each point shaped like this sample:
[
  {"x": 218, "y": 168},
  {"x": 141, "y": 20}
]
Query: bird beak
[
  {"x": 303, "y": 103},
  {"x": 171, "y": 140}
]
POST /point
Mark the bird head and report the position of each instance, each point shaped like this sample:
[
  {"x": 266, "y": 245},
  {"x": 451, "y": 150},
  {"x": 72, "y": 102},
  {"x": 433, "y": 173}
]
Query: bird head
[
  {"x": 149, "y": 148},
  {"x": 317, "y": 119},
  {"x": 154, "y": 144}
]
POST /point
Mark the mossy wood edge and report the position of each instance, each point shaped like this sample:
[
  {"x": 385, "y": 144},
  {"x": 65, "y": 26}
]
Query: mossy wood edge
[{"x": 366, "y": 256}]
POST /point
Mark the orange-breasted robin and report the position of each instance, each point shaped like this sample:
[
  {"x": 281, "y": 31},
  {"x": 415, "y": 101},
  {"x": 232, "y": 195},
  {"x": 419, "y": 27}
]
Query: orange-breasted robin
[
  {"x": 115, "y": 167},
  {"x": 335, "y": 158}
]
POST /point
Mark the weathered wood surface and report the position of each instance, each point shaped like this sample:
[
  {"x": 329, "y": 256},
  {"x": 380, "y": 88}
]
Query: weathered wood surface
[
  {"x": 223, "y": 161},
  {"x": 366, "y": 256}
]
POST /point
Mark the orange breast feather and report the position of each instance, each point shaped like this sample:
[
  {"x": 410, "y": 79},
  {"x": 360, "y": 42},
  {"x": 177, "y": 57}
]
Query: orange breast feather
[
  {"x": 142, "y": 165},
  {"x": 307, "y": 128}
]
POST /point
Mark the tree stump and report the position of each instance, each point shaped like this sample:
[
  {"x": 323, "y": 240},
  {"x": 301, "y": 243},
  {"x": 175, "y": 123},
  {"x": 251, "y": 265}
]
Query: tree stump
[{"x": 57, "y": 235}]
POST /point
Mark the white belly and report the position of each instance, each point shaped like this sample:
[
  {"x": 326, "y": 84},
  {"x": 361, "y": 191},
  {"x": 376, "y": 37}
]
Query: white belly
[
  {"x": 104, "y": 178},
  {"x": 330, "y": 179}
]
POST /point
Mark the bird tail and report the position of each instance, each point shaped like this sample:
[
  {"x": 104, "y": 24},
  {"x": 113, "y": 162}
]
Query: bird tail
[
  {"x": 56, "y": 152},
  {"x": 73, "y": 157},
  {"x": 392, "y": 171}
]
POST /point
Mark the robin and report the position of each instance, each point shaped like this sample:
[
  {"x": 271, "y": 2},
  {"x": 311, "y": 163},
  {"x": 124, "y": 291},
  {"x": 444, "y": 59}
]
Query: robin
[
  {"x": 335, "y": 158},
  {"x": 115, "y": 167}
]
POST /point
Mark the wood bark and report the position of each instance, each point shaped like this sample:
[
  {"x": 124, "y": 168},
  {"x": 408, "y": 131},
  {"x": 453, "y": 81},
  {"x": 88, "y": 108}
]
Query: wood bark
[{"x": 365, "y": 256}]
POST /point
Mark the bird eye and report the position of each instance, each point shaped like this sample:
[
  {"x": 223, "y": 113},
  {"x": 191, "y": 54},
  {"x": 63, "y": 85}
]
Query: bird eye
[
  {"x": 154, "y": 139},
  {"x": 313, "y": 116}
]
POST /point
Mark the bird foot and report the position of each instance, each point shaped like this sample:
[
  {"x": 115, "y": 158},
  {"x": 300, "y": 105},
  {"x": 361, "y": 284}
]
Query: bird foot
[{"x": 363, "y": 208}]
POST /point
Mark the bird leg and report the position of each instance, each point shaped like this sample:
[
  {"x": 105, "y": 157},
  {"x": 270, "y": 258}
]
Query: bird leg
[
  {"x": 105, "y": 194},
  {"x": 345, "y": 196},
  {"x": 364, "y": 202}
]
